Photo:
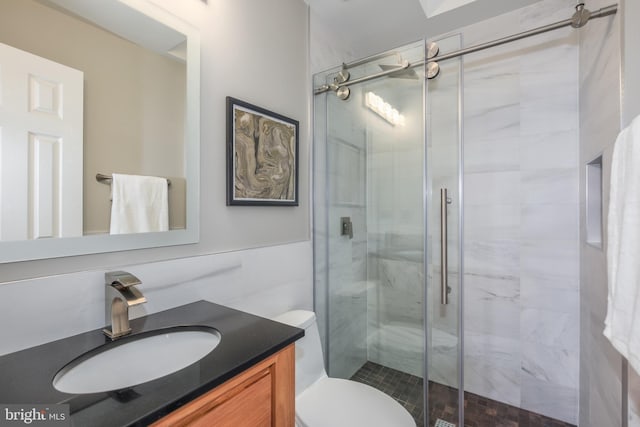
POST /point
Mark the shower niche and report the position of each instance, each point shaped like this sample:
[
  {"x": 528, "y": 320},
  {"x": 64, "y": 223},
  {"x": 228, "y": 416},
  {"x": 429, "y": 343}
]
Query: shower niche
[{"x": 593, "y": 202}]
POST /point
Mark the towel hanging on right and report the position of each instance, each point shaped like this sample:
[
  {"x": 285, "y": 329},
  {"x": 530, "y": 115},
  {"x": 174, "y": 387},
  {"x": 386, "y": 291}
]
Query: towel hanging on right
[{"x": 622, "y": 325}]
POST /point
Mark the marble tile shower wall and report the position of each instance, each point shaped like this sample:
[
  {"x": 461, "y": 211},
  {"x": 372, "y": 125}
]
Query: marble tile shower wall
[
  {"x": 521, "y": 215},
  {"x": 600, "y": 364}
]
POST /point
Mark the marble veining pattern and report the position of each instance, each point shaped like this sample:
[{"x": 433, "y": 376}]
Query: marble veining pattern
[{"x": 521, "y": 218}]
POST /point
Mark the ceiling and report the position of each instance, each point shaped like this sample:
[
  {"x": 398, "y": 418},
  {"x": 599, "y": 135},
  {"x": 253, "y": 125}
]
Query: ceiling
[{"x": 371, "y": 26}]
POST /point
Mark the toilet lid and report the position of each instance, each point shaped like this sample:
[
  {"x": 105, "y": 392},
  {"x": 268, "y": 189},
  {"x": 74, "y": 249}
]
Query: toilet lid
[{"x": 332, "y": 402}]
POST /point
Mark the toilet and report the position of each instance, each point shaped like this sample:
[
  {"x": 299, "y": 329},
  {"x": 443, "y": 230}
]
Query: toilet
[{"x": 331, "y": 402}]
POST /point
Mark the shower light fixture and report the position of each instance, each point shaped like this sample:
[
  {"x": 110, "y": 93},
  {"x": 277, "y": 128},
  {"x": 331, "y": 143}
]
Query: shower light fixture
[{"x": 383, "y": 109}]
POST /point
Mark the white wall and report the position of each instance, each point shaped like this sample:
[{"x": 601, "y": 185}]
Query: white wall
[{"x": 256, "y": 51}]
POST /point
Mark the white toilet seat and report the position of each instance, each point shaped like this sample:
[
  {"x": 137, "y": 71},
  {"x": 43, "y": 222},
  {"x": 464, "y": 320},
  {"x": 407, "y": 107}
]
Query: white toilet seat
[{"x": 333, "y": 402}]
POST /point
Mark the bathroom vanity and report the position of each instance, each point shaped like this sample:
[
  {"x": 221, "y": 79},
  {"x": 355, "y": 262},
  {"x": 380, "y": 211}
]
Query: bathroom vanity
[{"x": 248, "y": 379}]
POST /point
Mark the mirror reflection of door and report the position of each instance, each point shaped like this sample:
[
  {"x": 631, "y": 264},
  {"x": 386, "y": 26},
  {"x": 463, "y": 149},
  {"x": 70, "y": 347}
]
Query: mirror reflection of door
[{"x": 41, "y": 147}]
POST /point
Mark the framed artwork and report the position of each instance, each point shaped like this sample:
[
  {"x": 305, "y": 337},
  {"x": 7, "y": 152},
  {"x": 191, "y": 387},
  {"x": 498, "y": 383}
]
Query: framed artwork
[{"x": 262, "y": 156}]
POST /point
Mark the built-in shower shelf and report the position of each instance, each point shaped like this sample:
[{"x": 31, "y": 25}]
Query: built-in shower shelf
[{"x": 593, "y": 202}]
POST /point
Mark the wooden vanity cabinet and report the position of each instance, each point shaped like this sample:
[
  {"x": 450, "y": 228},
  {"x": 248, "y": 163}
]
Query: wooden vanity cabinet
[{"x": 261, "y": 396}]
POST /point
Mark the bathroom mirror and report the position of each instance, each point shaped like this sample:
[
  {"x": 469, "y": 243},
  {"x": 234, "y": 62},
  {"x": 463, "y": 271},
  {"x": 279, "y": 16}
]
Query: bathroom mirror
[{"x": 110, "y": 86}]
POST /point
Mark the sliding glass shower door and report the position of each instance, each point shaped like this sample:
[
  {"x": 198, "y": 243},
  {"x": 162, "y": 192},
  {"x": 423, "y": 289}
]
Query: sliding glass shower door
[
  {"x": 444, "y": 259},
  {"x": 376, "y": 231}
]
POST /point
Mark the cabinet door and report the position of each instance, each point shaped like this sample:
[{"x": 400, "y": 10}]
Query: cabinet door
[
  {"x": 250, "y": 407},
  {"x": 262, "y": 396}
]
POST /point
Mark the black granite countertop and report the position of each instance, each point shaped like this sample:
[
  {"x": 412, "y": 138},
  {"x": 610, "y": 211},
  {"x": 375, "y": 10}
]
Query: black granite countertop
[{"x": 26, "y": 376}]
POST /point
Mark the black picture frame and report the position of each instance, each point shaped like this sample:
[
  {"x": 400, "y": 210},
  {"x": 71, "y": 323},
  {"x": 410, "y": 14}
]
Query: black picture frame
[{"x": 262, "y": 150}]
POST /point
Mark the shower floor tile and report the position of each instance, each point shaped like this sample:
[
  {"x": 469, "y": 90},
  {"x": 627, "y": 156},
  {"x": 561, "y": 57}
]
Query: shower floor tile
[{"x": 479, "y": 411}]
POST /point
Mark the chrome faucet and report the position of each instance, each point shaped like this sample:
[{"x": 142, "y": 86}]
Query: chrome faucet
[{"x": 120, "y": 294}]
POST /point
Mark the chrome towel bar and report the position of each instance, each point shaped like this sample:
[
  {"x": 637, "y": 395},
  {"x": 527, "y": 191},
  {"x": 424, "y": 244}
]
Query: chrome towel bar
[{"x": 106, "y": 179}]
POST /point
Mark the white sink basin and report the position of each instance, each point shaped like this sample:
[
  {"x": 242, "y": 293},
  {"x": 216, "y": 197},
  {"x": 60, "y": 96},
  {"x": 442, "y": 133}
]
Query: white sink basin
[{"x": 133, "y": 361}]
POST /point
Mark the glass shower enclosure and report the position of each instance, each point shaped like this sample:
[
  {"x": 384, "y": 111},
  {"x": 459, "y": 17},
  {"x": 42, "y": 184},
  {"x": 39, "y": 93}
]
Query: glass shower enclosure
[{"x": 387, "y": 230}]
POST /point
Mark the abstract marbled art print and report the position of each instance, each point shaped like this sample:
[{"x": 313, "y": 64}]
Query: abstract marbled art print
[{"x": 262, "y": 156}]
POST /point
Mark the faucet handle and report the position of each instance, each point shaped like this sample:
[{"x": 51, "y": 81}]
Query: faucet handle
[
  {"x": 121, "y": 279},
  {"x": 132, "y": 296}
]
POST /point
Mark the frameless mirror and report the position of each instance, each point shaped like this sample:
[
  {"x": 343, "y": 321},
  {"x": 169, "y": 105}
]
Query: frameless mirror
[{"x": 89, "y": 88}]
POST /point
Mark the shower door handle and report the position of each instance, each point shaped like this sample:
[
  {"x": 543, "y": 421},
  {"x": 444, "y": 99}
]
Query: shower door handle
[{"x": 444, "y": 259}]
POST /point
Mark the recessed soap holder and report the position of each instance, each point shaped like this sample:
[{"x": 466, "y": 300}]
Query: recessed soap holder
[{"x": 593, "y": 202}]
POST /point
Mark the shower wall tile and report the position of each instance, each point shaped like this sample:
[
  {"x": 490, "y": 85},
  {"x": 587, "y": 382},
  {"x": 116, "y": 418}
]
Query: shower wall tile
[
  {"x": 400, "y": 287},
  {"x": 560, "y": 294},
  {"x": 395, "y": 236},
  {"x": 493, "y": 258},
  {"x": 522, "y": 214},
  {"x": 559, "y": 186},
  {"x": 501, "y": 188},
  {"x": 487, "y": 222},
  {"x": 493, "y": 155},
  {"x": 550, "y": 221},
  {"x": 344, "y": 121},
  {"x": 555, "y": 113},
  {"x": 395, "y": 313},
  {"x": 549, "y": 260},
  {"x": 548, "y": 68},
  {"x": 443, "y": 366},
  {"x": 347, "y": 304},
  {"x": 550, "y": 328},
  {"x": 544, "y": 397},
  {"x": 499, "y": 122},
  {"x": 492, "y": 367},
  {"x": 346, "y": 172},
  {"x": 347, "y": 326},
  {"x": 397, "y": 346},
  {"x": 550, "y": 364},
  {"x": 549, "y": 150},
  {"x": 607, "y": 364},
  {"x": 486, "y": 89},
  {"x": 490, "y": 305}
]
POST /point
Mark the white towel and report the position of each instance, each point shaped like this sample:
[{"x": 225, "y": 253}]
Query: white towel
[
  {"x": 622, "y": 325},
  {"x": 140, "y": 204}
]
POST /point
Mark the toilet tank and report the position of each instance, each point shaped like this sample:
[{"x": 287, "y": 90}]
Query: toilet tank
[{"x": 309, "y": 360}]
